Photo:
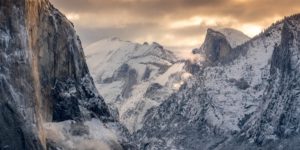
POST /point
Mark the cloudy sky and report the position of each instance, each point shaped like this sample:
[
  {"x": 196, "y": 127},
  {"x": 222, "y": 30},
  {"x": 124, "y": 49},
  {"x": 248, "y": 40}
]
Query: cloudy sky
[{"x": 178, "y": 24}]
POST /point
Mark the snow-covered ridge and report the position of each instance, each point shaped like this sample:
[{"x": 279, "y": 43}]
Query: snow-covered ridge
[{"x": 105, "y": 56}]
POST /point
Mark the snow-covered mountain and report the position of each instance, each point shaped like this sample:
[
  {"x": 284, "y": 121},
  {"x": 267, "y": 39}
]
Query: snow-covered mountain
[
  {"x": 247, "y": 100},
  {"x": 134, "y": 77}
]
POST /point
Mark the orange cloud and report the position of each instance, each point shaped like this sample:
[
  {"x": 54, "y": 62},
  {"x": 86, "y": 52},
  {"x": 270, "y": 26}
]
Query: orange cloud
[{"x": 178, "y": 24}]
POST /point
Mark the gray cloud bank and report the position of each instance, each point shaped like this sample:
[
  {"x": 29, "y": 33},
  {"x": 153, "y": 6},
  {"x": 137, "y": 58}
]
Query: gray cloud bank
[{"x": 174, "y": 23}]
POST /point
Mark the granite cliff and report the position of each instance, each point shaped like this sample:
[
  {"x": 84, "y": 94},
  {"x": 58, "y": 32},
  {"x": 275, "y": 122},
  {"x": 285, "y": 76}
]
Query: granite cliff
[{"x": 45, "y": 85}]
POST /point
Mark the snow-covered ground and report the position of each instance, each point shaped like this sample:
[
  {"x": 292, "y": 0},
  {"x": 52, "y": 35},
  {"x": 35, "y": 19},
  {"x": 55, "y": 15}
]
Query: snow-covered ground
[{"x": 91, "y": 134}]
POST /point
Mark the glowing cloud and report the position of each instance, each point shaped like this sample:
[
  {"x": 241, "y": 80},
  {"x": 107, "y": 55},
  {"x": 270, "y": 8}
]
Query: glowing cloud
[
  {"x": 73, "y": 16},
  {"x": 251, "y": 29},
  {"x": 195, "y": 21}
]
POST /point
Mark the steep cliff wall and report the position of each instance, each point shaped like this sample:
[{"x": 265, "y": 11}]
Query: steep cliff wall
[{"x": 43, "y": 74}]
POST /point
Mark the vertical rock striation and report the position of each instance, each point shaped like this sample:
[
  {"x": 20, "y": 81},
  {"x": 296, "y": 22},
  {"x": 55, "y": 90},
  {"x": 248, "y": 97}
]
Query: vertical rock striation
[{"x": 43, "y": 74}]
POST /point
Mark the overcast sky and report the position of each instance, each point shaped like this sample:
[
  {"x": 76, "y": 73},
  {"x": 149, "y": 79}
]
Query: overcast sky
[{"x": 173, "y": 23}]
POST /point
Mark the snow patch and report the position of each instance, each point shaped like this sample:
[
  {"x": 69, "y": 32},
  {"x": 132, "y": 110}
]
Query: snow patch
[{"x": 81, "y": 136}]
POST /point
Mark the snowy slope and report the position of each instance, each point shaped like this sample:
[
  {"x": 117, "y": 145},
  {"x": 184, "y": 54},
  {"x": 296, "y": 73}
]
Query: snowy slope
[
  {"x": 125, "y": 73},
  {"x": 89, "y": 135}
]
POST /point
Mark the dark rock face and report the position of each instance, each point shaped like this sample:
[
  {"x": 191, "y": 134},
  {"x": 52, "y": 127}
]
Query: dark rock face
[
  {"x": 130, "y": 81},
  {"x": 69, "y": 97},
  {"x": 242, "y": 84},
  {"x": 66, "y": 106},
  {"x": 282, "y": 54},
  {"x": 152, "y": 89},
  {"x": 191, "y": 67},
  {"x": 129, "y": 75},
  {"x": 147, "y": 74},
  {"x": 216, "y": 46},
  {"x": 43, "y": 74}
]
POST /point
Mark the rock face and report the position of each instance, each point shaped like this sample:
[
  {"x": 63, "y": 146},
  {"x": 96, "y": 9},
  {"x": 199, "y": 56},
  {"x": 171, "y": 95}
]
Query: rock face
[
  {"x": 219, "y": 44},
  {"x": 250, "y": 103},
  {"x": 216, "y": 46},
  {"x": 43, "y": 75}
]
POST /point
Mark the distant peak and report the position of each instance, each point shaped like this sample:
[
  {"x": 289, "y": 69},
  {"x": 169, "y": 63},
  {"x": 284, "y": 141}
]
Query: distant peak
[
  {"x": 115, "y": 39},
  {"x": 213, "y": 31},
  {"x": 210, "y": 30},
  {"x": 155, "y": 44},
  {"x": 215, "y": 46}
]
